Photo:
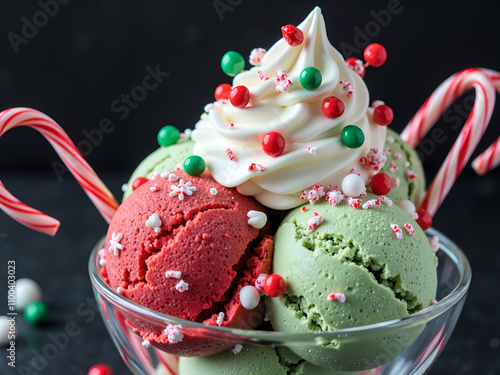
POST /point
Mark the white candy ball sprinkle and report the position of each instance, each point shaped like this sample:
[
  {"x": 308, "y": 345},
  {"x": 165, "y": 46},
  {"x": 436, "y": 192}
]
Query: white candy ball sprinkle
[
  {"x": 249, "y": 297},
  {"x": 353, "y": 185},
  {"x": 27, "y": 291},
  {"x": 4, "y": 330},
  {"x": 407, "y": 206}
]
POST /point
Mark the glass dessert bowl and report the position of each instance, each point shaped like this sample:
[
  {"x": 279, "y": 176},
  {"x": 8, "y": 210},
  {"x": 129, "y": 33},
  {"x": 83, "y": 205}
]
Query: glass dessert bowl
[{"x": 409, "y": 345}]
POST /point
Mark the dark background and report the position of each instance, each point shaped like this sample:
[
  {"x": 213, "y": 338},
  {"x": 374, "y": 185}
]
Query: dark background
[{"x": 90, "y": 53}]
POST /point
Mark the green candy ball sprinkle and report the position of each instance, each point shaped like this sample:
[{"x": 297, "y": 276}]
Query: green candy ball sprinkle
[
  {"x": 232, "y": 63},
  {"x": 310, "y": 78},
  {"x": 168, "y": 135},
  {"x": 194, "y": 165},
  {"x": 352, "y": 136},
  {"x": 36, "y": 313}
]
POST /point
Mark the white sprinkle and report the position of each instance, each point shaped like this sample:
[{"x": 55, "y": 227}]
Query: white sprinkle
[
  {"x": 256, "y": 219},
  {"x": 146, "y": 344},
  {"x": 220, "y": 318},
  {"x": 119, "y": 289},
  {"x": 182, "y": 286},
  {"x": 164, "y": 174},
  {"x": 124, "y": 187},
  {"x": 173, "y": 333},
  {"x": 172, "y": 177},
  {"x": 173, "y": 274},
  {"x": 266, "y": 317},
  {"x": 181, "y": 189},
  {"x": 154, "y": 222},
  {"x": 406, "y": 164},
  {"x": 336, "y": 297},
  {"x": 213, "y": 191},
  {"x": 398, "y": 155},
  {"x": 154, "y": 175},
  {"x": 186, "y": 135},
  {"x": 237, "y": 348},
  {"x": 390, "y": 139},
  {"x": 102, "y": 260},
  {"x": 114, "y": 243},
  {"x": 153, "y": 188}
]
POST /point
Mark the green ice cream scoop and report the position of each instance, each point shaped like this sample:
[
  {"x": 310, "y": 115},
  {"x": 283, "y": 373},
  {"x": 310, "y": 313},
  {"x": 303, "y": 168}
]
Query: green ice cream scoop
[
  {"x": 252, "y": 360},
  {"x": 354, "y": 253}
]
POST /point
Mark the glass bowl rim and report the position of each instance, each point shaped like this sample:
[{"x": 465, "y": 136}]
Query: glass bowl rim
[{"x": 429, "y": 313}]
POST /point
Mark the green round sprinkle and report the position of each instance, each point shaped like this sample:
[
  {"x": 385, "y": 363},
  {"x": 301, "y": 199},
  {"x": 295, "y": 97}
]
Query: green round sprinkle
[
  {"x": 194, "y": 165},
  {"x": 36, "y": 313},
  {"x": 310, "y": 78},
  {"x": 168, "y": 135},
  {"x": 232, "y": 63},
  {"x": 352, "y": 136}
]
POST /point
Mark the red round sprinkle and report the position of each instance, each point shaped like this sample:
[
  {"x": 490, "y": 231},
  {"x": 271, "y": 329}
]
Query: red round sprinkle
[
  {"x": 138, "y": 182},
  {"x": 375, "y": 54},
  {"x": 274, "y": 285},
  {"x": 381, "y": 184},
  {"x": 100, "y": 369},
  {"x": 293, "y": 35},
  {"x": 273, "y": 144},
  {"x": 424, "y": 219},
  {"x": 352, "y": 62},
  {"x": 333, "y": 107},
  {"x": 222, "y": 91},
  {"x": 383, "y": 115},
  {"x": 239, "y": 96}
]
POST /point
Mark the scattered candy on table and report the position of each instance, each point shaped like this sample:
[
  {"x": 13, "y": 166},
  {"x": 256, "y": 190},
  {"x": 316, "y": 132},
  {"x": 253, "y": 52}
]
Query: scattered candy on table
[
  {"x": 36, "y": 313},
  {"x": 27, "y": 291},
  {"x": 100, "y": 369}
]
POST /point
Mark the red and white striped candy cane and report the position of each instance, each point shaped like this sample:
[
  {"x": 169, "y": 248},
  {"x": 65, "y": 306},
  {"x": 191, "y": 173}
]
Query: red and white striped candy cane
[
  {"x": 490, "y": 158},
  {"x": 469, "y": 136},
  {"x": 69, "y": 154}
]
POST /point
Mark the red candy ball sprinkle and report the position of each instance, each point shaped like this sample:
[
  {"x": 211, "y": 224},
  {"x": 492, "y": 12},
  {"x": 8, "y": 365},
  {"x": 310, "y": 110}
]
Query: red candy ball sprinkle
[
  {"x": 358, "y": 67},
  {"x": 375, "y": 54},
  {"x": 222, "y": 91},
  {"x": 383, "y": 115},
  {"x": 381, "y": 184},
  {"x": 274, "y": 285},
  {"x": 100, "y": 369},
  {"x": 333, "y": 107},
  {"x": 424, "y": 219},
  {"x": 239, "y": 96},
  {"x": 273, "y": 144},
  {"x": 293, "y": 35},
  {"x": 138, "y": 182}
]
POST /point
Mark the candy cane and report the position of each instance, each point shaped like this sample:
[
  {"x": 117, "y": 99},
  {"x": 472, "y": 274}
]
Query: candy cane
[
  {"x": 69, "y": 154},
  {"x": 468, "y": 138}
]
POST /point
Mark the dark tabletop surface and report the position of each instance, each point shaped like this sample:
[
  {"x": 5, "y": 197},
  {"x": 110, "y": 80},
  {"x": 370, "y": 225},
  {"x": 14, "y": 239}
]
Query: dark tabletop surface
[{"x": 90, "y": 53}]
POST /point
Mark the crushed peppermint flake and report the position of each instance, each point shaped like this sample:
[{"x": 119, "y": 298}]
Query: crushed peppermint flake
[
  {"x": 119, "y": 289},
  {"x": 230, "y": 154},
  {"x": 410, "y": 175},
  {"x": 114, "y": 243},
  {"x": 165, "y": 174},
  {"x": 303, "y": 209},
  {"x": 154, "y": 222},
  {"x": 406, "y": 164},
  {"x": 363, "y": 193},
  {"x": 397, "y": 231},
  {"x": 181, "y": 189},
  {"x": 170, "y": 274},
  {"x": 230, "y": 125},
  {"x": 173, "y": 333},
  {"x": 220, "y": 319},
  {"x": 396, "y": 182},
  {"x": 354, "y": 202},
  {"x": 375, "y": 159},
  {"x": 237, "y": 348},
  {"x": 186, "y": 136},
  {"x": 153, "y": 175},
  {"x": 124, "y": 187},
  {"x": 434, "y": 242},
  {"x": 256, "y": 56},
  {"x": 371, "y": 203},
  {"x": 354, "y": 171},
  {"x": 266, "y": 317},
  {"x": 282, "y": 81},
  {"x": 182, "y": 286},
  {"x": 256, "y": 167},
  {"x": 433, "y": 302},
  {"x": 386, "y": 200},
  {"x": 409, "y": 229},
  {"x": 398, "y": 155},
  {"x": 347, "y": 88},
  {"x": 312, "y": 150},
  {"x": 259, "y": 282},
  {"x": 213, "y": 191},
  {"x": 388, "y": 151},
  {"x": 390, "y": 139},
  {"x": 313, "y": 222},
  {"x": 336, "y": 297},
  {"x": 154, "y": 188},
  {"x": 102, "y": 260},
  {"x": 262, "y": 76},
  {"x": 146, "y": 344},
  {"x": 256, "y": 219},
  {"x": 393, "y": 167},
  {"x": 313, "y": 194},
  {"x": 334, "y": 197}
]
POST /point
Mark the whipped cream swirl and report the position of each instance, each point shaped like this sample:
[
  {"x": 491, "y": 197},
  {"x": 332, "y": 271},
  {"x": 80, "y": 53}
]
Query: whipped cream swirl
[{"x": 314, "y": 153}]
